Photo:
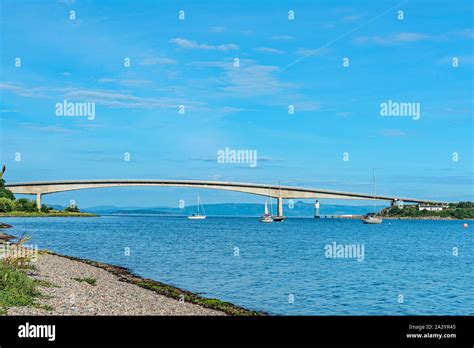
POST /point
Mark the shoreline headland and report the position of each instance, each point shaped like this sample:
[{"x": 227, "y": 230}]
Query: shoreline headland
[{"x": 48, "y": 214}]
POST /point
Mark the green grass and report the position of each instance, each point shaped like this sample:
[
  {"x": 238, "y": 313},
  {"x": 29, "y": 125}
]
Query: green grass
[
  {"x": 17, "y": 289},
  {"x": 90, "y": 281}
]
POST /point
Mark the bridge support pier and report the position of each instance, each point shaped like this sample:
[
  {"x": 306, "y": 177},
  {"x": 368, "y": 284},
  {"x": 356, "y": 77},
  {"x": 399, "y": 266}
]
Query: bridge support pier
[
  {"x": 280, "y": 207},
  {"x": 316, "y": 210},
  {"x": 38, "y": 201}
]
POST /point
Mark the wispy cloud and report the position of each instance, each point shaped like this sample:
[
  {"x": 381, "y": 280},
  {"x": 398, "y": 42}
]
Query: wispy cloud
[
  {"x": 217, "y": 29},
  {"x": 47, "y": 129},
  {"x": 312, "y": 51},
  {"x": 157, "y": 61},
  {"x": 252, "y": 79},
  {"x": 19, "y": 90},
  {"x": 269, "y": 50},
  {"x": 344, "y": 114},
  {"x": 188, "y": 44},
  {"x": 123, "y": 100},
  {"x": 393, "y": 39},
  {"x": 351, "y": 18},
  {"x": 409, "y": 37},
  {"x": 465, "y": 33},
  {"x": 109, "y": 98},
  {"x": 125, "y": 82},
  {"x": 282, "y": 37},
  {"x": 393, "y": 133}
]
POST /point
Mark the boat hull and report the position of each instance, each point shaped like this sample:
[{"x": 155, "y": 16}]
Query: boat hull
[
  {"x": 200, "y": 217},
  {"x": 372, "y": 221}
]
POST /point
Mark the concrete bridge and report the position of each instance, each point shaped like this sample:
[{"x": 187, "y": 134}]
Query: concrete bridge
[{"x": 41, "y": 188}]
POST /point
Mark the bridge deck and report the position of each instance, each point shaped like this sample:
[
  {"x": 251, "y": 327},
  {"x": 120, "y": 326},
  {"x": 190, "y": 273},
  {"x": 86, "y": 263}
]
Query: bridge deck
[{"x": 46, "y": 187}]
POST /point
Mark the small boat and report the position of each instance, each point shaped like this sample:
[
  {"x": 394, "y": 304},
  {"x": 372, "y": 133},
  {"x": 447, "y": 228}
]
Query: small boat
[
  {"x": 278, "y": 218},
  {"x": 266, "y": 217},
  {"x": 197, "y": 215},
  {"x": 371, "y": 219}
]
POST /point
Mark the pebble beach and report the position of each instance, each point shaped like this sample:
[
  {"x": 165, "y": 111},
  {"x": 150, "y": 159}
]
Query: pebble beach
[{"x": 65, "y": 295}]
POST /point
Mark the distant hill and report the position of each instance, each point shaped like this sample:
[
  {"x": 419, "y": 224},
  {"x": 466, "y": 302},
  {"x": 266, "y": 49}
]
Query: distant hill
[{"x": 299, "y": 209}]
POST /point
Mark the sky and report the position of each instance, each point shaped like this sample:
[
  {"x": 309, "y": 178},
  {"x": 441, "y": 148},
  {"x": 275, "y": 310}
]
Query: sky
[{"x": 334, "y": 63}]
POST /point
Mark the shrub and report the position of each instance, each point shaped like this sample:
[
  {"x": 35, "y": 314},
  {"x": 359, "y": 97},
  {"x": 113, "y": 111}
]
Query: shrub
[
  {"x": 6, "y": 193},
  {"x": 45, "y": 208},
  {"x": 72, "y": 209},
  {"x": 6, "y": 205},
  {"x": 26, "y": 205}
]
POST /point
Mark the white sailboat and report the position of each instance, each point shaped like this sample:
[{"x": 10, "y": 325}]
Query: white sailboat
[
  {"x": 266, "y": 217},
  {"x": 372, "y": 218},
  {"x": 198, "y": 216}
]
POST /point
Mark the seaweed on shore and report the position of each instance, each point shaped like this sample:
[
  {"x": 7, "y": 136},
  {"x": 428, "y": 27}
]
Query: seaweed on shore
[{"x": 125, "y": 275}]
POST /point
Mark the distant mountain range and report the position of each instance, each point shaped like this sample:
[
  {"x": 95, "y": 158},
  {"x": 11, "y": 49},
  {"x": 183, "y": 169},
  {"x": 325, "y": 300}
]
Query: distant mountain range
[{"x": 299, "y": 209}]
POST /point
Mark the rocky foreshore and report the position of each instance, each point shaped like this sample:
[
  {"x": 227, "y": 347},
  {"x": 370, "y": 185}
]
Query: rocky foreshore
[
  {"x": 72, "y": 286},
  {"x": 421, "y": 218}
]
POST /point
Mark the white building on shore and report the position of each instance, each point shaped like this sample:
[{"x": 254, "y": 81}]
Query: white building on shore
[{"x": 430, "y": 207}]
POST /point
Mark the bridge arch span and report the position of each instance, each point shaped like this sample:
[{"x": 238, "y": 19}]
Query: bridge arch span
[{"x": 40, "y": 188}]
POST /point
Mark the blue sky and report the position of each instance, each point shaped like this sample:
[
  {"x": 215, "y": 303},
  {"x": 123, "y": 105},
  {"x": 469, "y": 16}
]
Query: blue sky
[{"x": 282, "y": 62}]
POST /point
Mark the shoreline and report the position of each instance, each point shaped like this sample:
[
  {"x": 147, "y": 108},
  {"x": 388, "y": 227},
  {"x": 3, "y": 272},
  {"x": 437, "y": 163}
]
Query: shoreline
[
  {"x": 423, "y": 218},
  {"x": 116, "y": 285},
  {"x": 53, "y": 214},
  {"x": 125, "y": 275},
  {"x": 335, "y": 217}
]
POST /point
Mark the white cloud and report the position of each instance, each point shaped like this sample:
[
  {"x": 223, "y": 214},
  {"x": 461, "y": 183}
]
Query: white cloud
[
  {"x": 247, "y": 32},
  {"x": 393, "y": 133},
  {"x": 282, "y": 37},
  {"x": 23, "y": 92},
  {"x": 217, "y": 29},
  {"x": 307, "y": 106},
  {"x": 312, "y": 51},
  {"x": 407, "y": 37},
  {"x": 252, "y": 79},
  {"x": 465, "y": 33},
  {"x": 351, "y": 18},
  {"x": 113, "y": 99},
  {"x": 157, "y": 61},
  {"x": 188, "y": 44},
  {"x": 47, "y": 129},
  {"x": 344, "y": 114},
  {"x": 269, "y": 50},
  {"x": 125, "y": 82},
  {"x": 392, "y": 39},
  {"x": 214, "y": 64}
]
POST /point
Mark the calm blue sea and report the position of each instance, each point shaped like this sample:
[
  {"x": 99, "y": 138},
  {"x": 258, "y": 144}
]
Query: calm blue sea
[{"x": 282, "y": 268}]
